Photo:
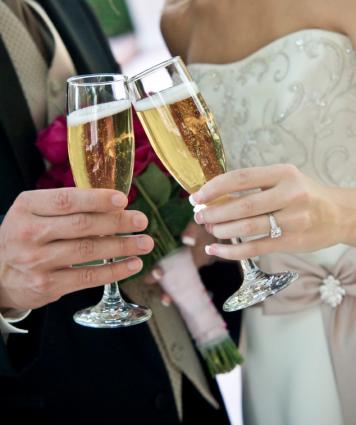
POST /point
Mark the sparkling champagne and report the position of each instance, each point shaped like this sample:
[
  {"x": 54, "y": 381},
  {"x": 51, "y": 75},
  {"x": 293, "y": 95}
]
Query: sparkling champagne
[
  {"x": 101, "y": 146},
  {"x": 184, "y": 135}
]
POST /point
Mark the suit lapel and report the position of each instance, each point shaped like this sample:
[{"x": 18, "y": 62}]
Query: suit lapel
[
  {"x": 82, "y": 35},
  {"x": 173, "y": 341},
  {"x": 90, "y": 54},
  {"x": 14, "y": 110}
]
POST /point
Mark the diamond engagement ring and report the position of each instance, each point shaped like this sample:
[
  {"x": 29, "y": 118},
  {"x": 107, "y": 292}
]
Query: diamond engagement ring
[{"x": 276, "y": 231}]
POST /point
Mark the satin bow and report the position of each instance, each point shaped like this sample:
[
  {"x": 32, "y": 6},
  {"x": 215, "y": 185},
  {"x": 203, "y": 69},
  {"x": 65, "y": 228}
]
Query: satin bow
[{"x": 334, "y": 288}]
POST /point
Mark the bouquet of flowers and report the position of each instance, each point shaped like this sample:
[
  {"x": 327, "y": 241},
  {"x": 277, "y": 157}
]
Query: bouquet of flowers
[{"x": 168, "y": 210}]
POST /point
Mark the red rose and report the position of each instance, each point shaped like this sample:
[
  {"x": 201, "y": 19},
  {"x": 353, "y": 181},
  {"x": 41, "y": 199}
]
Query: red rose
[
  {"x": 132, "y": 194},
  {"x": 59, "y": 175},
  {"x": 144, "y": 154},
  {"x": 52, "y": 141}
]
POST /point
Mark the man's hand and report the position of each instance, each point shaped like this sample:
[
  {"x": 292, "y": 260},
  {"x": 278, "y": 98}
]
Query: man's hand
[{"x": 45, "y": 232}]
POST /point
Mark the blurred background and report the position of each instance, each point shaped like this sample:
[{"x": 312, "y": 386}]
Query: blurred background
[{"x": 132, "y": 28}]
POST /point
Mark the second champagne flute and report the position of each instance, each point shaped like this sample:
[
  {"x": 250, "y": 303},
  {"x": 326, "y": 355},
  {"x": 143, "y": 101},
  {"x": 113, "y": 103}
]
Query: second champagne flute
[
  {"x": 183, "y": 133},
  {"x": 101, "y": 153}
]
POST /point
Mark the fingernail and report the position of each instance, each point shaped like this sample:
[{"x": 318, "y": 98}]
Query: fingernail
[
  {"x": 166, "y": 300},
  {"x": 189, "y": 240},
  {"x": 199, "y": 218},
  {"x": 157, "y": 274},
  {"x": 119, "y": 200},
  {"x": 191, "y": 200},
  {"x": 210, "y": 250},
  {"x": 142, "y": 242},
  {"x": 134, "y": 264},
  {"x": 199, "y": 207},
  {"x": 139, "y": 221},
  {"x": 196, "y": 198}
]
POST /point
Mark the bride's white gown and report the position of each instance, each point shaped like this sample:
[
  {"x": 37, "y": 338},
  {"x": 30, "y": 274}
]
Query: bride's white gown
[{"x": 293, "y": 101}]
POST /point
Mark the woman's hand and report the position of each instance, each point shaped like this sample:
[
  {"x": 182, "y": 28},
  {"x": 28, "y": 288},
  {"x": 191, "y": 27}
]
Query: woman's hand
[
  {"x": 311, "y": 216},
  {"x": 46, "y": 231}
]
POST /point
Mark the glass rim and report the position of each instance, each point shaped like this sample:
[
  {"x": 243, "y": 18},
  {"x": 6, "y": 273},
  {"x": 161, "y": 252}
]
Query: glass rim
[
  {"x": 116, "y": 78},
  {"x": 152, "y": 69}
]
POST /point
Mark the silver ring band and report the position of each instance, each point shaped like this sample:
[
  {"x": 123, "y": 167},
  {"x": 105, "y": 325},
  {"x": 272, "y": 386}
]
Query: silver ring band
[{"x": 276, "y": 231}]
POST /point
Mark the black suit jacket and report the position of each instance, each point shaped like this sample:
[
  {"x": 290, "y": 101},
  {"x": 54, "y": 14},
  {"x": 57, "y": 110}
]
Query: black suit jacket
[{"x": 61, "y": 370}]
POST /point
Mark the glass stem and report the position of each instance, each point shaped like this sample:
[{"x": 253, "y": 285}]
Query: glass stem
[
  {"x": 249, "y": 267},
  {"x": 112, "y": 295}
]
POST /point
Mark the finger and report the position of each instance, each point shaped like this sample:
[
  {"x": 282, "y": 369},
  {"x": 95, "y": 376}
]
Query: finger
[
  {"x": 247, "y": 206},
  {"x": 250, "y": 249},
  {"x": 61, "y": 254},
  {"x": 75, "y": 279},
  {"x": 81, "y": 225},
  {"x": 190, "y": 234},
  {"x": 154, "y": 276},
  {"x": 290, "y": 220},
  {"x": 56, "y": 202},
  {"x": 241, "y": 228},
  {"x": 242, "y": 180},
  {"x": 166, "y": 300}
]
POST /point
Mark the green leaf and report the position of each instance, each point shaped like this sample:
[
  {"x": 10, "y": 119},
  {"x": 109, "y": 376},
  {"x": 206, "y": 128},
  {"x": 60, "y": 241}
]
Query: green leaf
[
  {"x": 156, "y": 185},
  {"x": 176, "y": 189},
  {"x": 176, "y": 213},
  {"x": 153, "y": 225},
  {"x": 113, "y": 15},
  {"x": 140, "y": 204}
]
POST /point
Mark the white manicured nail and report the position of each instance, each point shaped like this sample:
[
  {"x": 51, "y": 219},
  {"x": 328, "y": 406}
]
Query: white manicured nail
[
  {"x": 211, "y": 250},
  {"x": 166, "y": 300},
  {"x": 189, "y": 240},
  {"x": 199, "y": 207},
  {"x": 191, "y": 200},
  {"x": 157, "y": 274}
]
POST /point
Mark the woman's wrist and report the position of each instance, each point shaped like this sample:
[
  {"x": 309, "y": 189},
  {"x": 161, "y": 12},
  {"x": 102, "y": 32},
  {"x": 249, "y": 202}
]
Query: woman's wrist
[{"x": 345, "y": 202}]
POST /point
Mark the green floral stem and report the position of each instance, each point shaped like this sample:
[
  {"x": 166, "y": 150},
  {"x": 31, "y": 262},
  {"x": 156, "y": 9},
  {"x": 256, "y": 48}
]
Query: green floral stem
[
  {"x": 160, "y": 247},
  {"x": 223, "y": 357},
  {"x": 171, "y": 244}
]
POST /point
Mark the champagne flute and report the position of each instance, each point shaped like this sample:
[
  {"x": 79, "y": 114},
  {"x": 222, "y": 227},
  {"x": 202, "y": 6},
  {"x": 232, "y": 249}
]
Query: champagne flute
[
  {"x": 183, "y": 133},
  {"x": 101, "y": 153}
]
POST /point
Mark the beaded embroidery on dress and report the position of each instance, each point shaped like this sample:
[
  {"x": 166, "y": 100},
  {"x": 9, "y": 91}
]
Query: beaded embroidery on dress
[{"x": 292, "y": 101}]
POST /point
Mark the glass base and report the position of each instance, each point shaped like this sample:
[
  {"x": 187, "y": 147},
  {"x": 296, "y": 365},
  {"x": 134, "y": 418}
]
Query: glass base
[
  {"x": 117, "y": 316},
  {"x": 256, "y": 287}
]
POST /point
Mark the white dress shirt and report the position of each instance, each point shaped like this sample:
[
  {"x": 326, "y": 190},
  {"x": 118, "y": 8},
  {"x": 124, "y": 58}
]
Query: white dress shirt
[{"x": 10, "y": 316}]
